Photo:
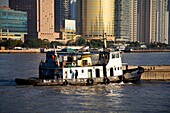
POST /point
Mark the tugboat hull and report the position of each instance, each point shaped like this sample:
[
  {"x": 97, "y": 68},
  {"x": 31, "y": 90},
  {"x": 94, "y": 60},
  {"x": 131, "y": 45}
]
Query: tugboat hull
[{"x": 133, "y": 75}]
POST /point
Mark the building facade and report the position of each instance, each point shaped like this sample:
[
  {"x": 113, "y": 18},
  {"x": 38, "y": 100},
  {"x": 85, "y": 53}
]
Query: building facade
[
  {"x": 169, "y": 22},
  {"x": 162, "y": 21},
  {"x": 45, "y": 20},
  {"x": 13, "y": 24},
  {"x": 62, "y": 12},
  {"x": 144, "y": 21},
  {"x": 96, "y": 17},
  {"x": 153, "y": 21},
  {"x": 40, "y": 18},
  {"x": 122, "y": 20},
  {"x": 133, "y": 20}
]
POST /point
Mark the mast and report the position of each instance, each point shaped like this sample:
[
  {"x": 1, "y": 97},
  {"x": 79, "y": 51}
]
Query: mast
[{"x": 104, "y": 42}]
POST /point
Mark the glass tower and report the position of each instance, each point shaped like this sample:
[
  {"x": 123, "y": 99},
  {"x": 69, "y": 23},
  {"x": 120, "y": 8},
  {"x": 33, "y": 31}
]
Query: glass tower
[
  {"x": 122, "y": 22},
  {"x": 96, "y": 17},
  {"x": 13, "y": 24}
]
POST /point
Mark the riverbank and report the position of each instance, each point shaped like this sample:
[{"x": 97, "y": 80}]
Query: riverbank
[
  {"x": 150, "y": 50},
  {"x": 21, "y": 51},
  {"x": 155, "y": 73}
]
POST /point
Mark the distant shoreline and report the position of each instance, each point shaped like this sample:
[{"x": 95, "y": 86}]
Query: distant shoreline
[
  {"x": 149, "y": 51},
  {"x": 39, "y": 51},
  {"x": 21, "y": 51}
]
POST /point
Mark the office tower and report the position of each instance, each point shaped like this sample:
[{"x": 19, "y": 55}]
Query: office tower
[
  {"x": 73, "y": 10},
  {"x": 133, "y": 20},
  {"x": 162, "y": 21},
  {"x": 122, "y": 22},
  {"x": 40, "y": 17},
  {"x": 13, "y": 24},
  {"x": 62, "y": 12},
  {"x": 96, "y": 17},
  {"x": 169, "y": 22},
  {"x": 45, "y": 20},
  {"x": 144, "y": 21},
  {"x": 28, "y": 6},
  {"x": 153, "y": 20}
]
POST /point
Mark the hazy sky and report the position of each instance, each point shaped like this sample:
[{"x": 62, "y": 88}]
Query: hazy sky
[{"x": 3, "y": 2}]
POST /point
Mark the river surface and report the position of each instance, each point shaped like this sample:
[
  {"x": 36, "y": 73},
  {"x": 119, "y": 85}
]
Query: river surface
[{"x": 144, "y": 97}]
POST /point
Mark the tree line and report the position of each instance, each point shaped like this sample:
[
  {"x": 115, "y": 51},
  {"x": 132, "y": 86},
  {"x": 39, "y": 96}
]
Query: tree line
[{"x": 39, "y": 43}]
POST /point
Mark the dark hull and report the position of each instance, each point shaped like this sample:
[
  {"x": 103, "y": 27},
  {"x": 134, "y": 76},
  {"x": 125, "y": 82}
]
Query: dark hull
[
  {"x": 60, "y": 82},
  {"x": 132, "y": 75},
  {"x": 29, "y": 81}
]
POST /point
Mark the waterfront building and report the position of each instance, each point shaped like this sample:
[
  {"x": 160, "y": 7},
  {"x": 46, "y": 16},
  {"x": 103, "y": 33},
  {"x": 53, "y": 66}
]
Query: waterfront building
[
  {"x": 62, "y": 12},
  {"x": 96, "y": 17},
  {"x": 169, "y": 22},
  {"x": 122, "y": 20},
  {"x": 143, "y": 21},
  {"x": 63, "y": 20},
  {"x": 133, "y": 20},
  {"x": 45, "y": 20},
  {"x": 162, "y": 21},
  {"x": 40, "y": 18},
  {"x": 73, "y": 12},
  {"x": 13, "y": 24},
  {"x": 153, "y": 21},
  {"x": 30, "y": 7}
]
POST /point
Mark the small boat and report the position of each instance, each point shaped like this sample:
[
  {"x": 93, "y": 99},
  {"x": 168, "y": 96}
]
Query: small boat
[
  {"x": 132, "y": 75},
  {"x": 68, "y": 67}
]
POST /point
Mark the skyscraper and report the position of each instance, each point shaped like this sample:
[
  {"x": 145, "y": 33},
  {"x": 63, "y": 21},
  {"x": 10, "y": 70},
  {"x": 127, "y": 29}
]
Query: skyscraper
[
  {"x": 162, "y": 21},
  {"x": 144, "y": 21},
  {"x": 122, "y": 22},
  {"x": 133, "y": 20},
  {"x": 153, "y": 20},
  {"x": 62, "y": 12},
  {"x": 40, "y": 17},
  {"x": 96, "y": 17},
  {"x": 169, "y": 22}
]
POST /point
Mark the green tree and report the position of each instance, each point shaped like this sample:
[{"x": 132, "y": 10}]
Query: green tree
[
  {"x": 37, "y": 43},
  {"x": 10, "y": 44},
  {"x": 81, "y": 42},
  {"x": 56, "y": 44}
]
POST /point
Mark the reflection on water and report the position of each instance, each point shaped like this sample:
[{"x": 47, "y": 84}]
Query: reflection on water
[
  {"x": 121, "y": 97},
  {"x": 100, "y": 98}
]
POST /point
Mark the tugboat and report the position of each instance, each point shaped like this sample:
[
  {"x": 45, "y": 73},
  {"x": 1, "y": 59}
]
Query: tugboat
[{"x": 79, "y": 68}]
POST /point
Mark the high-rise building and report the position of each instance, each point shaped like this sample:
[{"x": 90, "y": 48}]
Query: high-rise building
[
  {"x": 143, "y": 21},
  {"x": 153, "y": 20},
  {"x": 13, "y": 24},
  {"x": 40, "y": 17},
  {"x": 45, "y": 20},
  {"x": 96, "y": 17},
  {"x": 122, "y": 22},
  {"x": 162, "y": 21},
  {"x": 133, "y": 20},
  {"x": 169, "y": 22},
  {"x": 62, "y": 12},
  {"x": 30, "y": 7},
  {"x": 74, "y": 11}
]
